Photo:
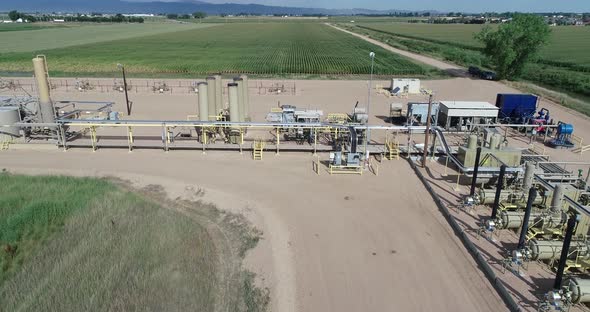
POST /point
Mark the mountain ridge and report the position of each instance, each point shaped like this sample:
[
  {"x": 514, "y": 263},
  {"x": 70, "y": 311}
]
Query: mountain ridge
[{"x": 179, "y": 7}]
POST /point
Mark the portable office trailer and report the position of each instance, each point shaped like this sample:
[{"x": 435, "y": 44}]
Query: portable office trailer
[{"x": 461, "y": 115}]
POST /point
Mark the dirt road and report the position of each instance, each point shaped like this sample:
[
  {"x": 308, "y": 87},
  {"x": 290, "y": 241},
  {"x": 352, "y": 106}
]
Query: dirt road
[{"x": 450, "y": 68}]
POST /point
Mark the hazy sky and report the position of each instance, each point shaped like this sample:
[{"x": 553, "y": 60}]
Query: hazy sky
[{"x": 441, "y": 5}]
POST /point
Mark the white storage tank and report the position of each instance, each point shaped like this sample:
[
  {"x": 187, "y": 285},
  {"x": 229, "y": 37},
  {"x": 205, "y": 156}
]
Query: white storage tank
[
  {"x": 203, "y": 101},
  {"x": 9, "y": 115}
]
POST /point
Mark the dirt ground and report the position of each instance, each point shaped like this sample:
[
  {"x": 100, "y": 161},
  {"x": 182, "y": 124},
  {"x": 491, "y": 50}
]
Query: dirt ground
[
  {"x": 331, "y": 243},
  {"x": 353, "y": 243}
]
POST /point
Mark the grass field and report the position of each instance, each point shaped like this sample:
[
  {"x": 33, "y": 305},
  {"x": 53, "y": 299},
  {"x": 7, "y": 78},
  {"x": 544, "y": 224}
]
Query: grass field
[
  {"x": 80, "y": 244},
  {"x": 266, "y": 49},
  {"x": 23, "y": 27},
  {"x": 302, "y": 19},
  {"x": 564, "y": 71},
  {"x": 59, "y": 37},
  {"x": 567, "y": 43}
]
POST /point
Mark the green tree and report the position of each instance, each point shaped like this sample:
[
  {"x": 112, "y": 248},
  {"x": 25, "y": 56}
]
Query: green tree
[
  {"x": 172, "y": 16},
  {"x": 200, "y": 15},
  {"x": 14, "y": 15},
  {"x": 515, "y": 43}
]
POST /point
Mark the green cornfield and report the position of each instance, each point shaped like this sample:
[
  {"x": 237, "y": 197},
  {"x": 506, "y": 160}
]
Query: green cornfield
[
  {"x": 264, "y": 49},
  {"x": 567, "y": 43}
]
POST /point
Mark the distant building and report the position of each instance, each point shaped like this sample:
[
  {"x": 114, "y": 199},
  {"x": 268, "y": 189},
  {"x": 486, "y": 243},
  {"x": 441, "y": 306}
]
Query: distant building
[
  {"x": 59, "y": 21},
  {"x": 139, "y": 15}
]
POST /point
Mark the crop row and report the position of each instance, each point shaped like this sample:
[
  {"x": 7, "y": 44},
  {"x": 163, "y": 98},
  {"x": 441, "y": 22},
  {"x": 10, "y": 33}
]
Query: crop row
[{"x": 281, "y": 48}]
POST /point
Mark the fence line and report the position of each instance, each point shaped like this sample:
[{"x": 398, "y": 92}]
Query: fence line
[{"x": 162, "y": 86}]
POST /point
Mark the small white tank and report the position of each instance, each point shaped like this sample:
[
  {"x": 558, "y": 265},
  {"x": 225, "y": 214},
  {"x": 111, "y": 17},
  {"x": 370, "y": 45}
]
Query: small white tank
[
  {"x": 495, "y": 141},
  {"x": 9, "y": 115},
  {"x": 234, "y": 110},
  {"x": 246, "y": 98},
  {"x": 579, "y": 288},
  {"x": 472, "y": 142}
]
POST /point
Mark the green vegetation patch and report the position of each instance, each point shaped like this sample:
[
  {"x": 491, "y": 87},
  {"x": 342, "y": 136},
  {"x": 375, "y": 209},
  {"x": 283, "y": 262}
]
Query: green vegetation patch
[
  {"x": 566, "y": 44},
  {"x": 60, "y": 37},
  {"x": 268, "y": 48},
  {"x": 557, "y": 74},
  {"x": 88, "y": 245},
  {"x": 34, "y": 208},
  {"x": 22, "y": 27}
]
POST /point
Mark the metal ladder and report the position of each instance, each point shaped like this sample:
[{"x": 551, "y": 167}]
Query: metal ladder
[
  {"x": 258, "y": 149},
  {"x": 392, "y": 149},
  {"x": 5, "y": 144}
]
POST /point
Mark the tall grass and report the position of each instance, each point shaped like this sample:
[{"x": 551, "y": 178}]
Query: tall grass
[
  {"x": 34, "y": 208},
  {"x": 110, "y": 249}
]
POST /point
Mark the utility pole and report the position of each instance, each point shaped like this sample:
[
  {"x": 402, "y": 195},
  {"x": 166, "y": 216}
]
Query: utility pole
[
  {"x": 427, "y": 133},
  {"x": 368, "y": 132},
  {"x": 125, "y": 86}
]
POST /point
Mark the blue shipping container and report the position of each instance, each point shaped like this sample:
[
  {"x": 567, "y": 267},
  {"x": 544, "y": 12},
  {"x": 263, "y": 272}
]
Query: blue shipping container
[{"x": 517, "y": 108}]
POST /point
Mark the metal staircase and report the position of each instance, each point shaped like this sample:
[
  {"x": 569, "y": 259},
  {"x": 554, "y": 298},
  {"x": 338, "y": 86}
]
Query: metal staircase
[
  {"x": 392, "y": 149},
  {"x": 258, "y": 149}
]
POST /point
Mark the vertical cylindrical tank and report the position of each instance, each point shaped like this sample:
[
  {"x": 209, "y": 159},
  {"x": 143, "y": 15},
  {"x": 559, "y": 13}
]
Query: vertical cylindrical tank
[
  {"x": 234, "y": 111},
  {"x": 46, "y": 110},
  {"x": 9, "y": 115},
  {"x": 219, "y": 105},
  {"x": 495, "y": 141},
  {"x": 203, "y": 101},
  {"x": 246, "y": 98},
  {"x": 240, "y": 83},
  {"x": 472, "y": 141},
  {"x": 579, "y": 289},
  {"x": 529, "y": 174},
  {"x": 211, "y": 96},
  {"x": 557, "y": 199}
]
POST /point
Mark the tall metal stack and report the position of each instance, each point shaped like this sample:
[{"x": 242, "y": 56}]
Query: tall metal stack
[
  {"x": 203, "y": 101},
  {"x": 46, "y": 110},
  {"x": 240, "y": 84},
  {"x": 246, "y": 98},
  {"x": 212, "y": 109},
  {"x": 219, "y": 105}
]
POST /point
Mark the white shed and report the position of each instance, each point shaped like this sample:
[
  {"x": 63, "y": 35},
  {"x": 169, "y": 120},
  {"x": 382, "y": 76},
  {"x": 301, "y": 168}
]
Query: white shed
[
  {"x": 461, "y": 115},
  {"x": 411, "y": 86}
]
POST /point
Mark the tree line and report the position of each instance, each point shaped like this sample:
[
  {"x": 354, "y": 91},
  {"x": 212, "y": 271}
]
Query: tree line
[
  {"x": 119, "y": 18},
  {"x": 197, "y": 15}
]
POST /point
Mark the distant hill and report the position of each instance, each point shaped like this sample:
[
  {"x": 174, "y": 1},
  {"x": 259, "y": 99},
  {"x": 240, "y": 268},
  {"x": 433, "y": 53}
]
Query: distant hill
[{"x": 156, "y": 7}]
